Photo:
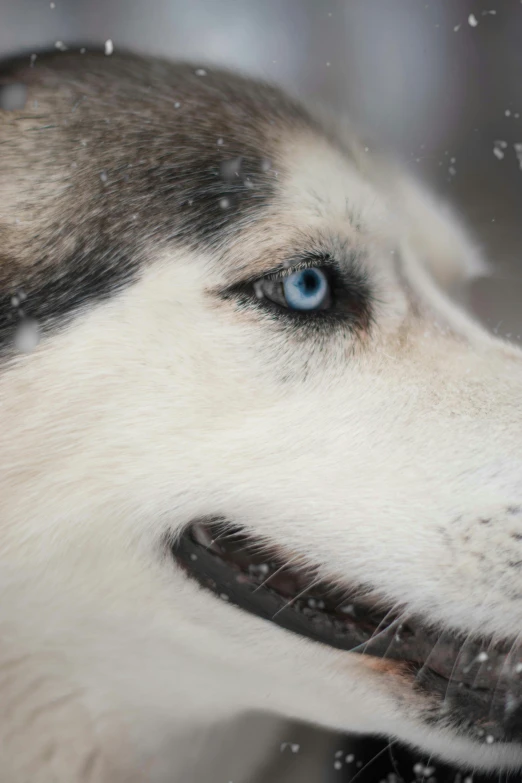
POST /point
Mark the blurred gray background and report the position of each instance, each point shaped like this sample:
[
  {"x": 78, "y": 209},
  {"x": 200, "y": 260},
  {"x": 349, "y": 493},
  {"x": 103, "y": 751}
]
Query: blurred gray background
[{"x": 437, "y": 81}]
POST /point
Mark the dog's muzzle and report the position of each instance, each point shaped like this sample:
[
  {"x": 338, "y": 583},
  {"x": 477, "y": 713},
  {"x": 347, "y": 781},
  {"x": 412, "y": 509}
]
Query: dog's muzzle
[{"x": 471, "y": 684}]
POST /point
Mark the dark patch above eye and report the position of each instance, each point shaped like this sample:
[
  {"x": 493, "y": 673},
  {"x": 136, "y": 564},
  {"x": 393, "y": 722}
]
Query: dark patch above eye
[
  {"x": 54, "y": 294},
  {"x": 149, "y": 154}
]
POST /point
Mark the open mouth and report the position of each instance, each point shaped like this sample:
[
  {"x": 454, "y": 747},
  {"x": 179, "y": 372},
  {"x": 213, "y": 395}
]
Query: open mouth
[{"x": 474, "y": 685}]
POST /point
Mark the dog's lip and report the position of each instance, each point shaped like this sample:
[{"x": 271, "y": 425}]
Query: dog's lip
[{"x": 483, "y": 680}]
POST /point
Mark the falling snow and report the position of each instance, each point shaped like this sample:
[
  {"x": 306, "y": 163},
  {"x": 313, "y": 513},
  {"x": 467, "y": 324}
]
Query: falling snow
[
  {"x": 230, "y": 169},
  {"x": 511, "y": 703},
  {"x": 109, "y": 47},
  {"x": 60, "y": 46},
  {"x": 499, "y": 148},
  {"x": 13, "y": 97},
  {"x": 294, "y": 747},
  {"x": 472, "y": 20},
  {"x": 200, "y": 72},
  {"x": 27, "y": 336},
  {"x": 518, "y": 153}
]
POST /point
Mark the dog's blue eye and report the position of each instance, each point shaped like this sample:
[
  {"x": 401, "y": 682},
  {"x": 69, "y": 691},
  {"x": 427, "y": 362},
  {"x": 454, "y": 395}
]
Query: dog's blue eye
[{"x": 307, "y": 289}]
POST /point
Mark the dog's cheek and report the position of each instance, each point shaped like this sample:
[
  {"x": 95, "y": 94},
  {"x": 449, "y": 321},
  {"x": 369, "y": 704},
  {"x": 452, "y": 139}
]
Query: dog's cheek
[{"x": 47, "y": 733}]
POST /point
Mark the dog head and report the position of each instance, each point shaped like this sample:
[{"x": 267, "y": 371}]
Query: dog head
[{"x": 216, "y": 306}]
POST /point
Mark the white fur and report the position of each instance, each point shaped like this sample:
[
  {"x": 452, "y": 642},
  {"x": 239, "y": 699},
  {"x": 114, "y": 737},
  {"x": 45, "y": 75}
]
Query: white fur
[{"x": 165, "y": 404}]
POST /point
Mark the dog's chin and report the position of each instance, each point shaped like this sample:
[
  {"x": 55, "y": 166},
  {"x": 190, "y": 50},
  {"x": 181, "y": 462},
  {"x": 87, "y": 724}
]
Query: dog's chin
[{"x": 470, "y": 686}]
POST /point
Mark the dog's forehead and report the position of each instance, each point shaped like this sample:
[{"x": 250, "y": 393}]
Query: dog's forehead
[
  {"x": 105, "y": 157},
  {"x": 171, "y": 141}
]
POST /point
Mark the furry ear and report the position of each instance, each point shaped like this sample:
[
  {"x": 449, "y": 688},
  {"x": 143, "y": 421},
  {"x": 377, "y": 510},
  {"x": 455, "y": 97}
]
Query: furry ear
[
  {"x": 435, "y": 234},
  {"x": 431, "y": 227}
]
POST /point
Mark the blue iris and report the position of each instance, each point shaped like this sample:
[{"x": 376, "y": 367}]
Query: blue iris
[{"x": 306, "y": 289}]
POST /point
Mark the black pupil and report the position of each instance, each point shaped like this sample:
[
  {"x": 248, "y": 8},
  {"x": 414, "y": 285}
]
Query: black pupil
[{"x": 311, "y": 282}]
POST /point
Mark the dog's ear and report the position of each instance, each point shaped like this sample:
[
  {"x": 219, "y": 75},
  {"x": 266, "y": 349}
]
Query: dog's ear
[
  {"x": 431, "y": 227},
  {"x": 435, "y": 233}
]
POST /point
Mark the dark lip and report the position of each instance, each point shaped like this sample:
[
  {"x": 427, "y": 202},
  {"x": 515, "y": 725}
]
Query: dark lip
[{"x": 473, "y": 683}]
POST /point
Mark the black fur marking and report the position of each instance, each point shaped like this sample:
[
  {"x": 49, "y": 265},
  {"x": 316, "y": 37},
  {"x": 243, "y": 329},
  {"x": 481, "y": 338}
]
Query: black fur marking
[
  {"x": 146, "y": 155},
  {"x": 54, "y": 297}
]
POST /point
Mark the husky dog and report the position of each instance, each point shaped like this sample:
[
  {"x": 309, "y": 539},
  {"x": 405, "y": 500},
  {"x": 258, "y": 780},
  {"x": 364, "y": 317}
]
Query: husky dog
[{"x": 253, "y": 456}]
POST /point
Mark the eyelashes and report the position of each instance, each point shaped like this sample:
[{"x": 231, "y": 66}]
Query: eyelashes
[
  {"x": 306, "y": 290},
  {"x": 311, "y": 292}
]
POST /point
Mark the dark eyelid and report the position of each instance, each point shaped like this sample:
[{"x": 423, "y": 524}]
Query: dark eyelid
[
  {"x": 286, "y": 271},
  {"x": 305, "y": 261},
  {"x": 352, "y": 292}
]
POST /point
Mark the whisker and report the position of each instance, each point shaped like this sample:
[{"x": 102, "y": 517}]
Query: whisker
[
  {"x": 361, "y": 647},
  {"x": 270, "y": 576},
  {"x": 296, "y": 597},
  {"x": 377, "y": 630},
  {"x": 374, "y": 758}
]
